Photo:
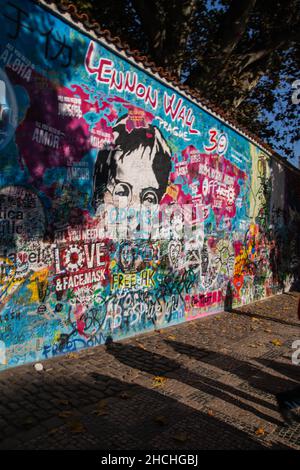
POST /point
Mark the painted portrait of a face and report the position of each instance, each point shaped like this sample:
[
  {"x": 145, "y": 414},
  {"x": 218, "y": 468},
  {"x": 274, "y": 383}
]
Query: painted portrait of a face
[{"x": 136, "y": 171}]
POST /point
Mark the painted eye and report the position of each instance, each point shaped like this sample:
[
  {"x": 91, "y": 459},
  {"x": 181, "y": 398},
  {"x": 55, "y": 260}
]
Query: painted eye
[
  {"x": 149, "y": 197},
  {"x": 122, "y": 190},
  {"x": 122, "y": 194}
]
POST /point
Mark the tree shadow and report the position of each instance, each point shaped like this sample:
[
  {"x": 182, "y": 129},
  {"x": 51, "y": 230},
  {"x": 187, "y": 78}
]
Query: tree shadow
[
  {"x": 155, "y": 364},
  {"x": 249, "y": 372},
  {"x": 126, "y": 424},
  {"x": 264, "y": 317},
  {"x": 291, "y": 371}
]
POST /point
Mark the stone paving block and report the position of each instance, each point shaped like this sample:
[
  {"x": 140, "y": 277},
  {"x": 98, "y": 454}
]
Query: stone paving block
[
  {"x": 9, "y": 444},
  {"x": 290, "y": 435},
  {"x": 52, "y": 423}
]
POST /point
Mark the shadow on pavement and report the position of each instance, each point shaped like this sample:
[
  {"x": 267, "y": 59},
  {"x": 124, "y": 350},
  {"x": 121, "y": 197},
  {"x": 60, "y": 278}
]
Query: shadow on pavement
[
  {"x": 157, "y": 365},
  {"x": 264, "y": 317},
  {"x": 134, "y": 423},
  {"x": 256, "y": 377}
]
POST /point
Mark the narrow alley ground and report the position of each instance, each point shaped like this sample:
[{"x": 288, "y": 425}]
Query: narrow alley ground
[{"x": 206, "y": 384}]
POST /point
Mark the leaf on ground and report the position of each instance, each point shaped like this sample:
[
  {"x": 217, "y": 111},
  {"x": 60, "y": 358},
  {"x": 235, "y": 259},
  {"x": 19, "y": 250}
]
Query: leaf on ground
[
  {"x": 180, "y": 437},
  {"x": 267, "y": 330},
  {"x": 125, "y": 395},
  {"x": 276, "y": 342},
  {"x": 158, "y": 381},
  {"x": 162, "y": 420},
  {"x": 63, "y": 402},
  {"x": 172, "y": 337},
  {"x": 65, "y": 414},
  {"x": 260, "y": 432},
  {"x": 72, "y": 356},
  {"x": 29, "y": 420},
  {"x": 101, "y": 408},
  {"x": 76, "y": 427},
  {"x": 53, "y": 431},
  {"x": 102, "y": 404},
  {"x": 140, "y": 345},
  {"x": 100, "y": 412}
]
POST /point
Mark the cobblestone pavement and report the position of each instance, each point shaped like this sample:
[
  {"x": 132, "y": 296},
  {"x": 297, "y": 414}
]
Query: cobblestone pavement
[{"x": 206, "y": 384}]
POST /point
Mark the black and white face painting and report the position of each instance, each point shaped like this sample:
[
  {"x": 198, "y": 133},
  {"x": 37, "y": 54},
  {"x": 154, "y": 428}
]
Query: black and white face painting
[{"x": 136, "y": 171}]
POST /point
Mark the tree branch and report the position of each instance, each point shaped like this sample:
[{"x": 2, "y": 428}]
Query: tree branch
[
  {"x": 277, "y": 41},
  {"x": 179, "y": 27},
  {"x": 233, "y": 25},
  {"x": 152, "y": 16},
  {"x": 230, "y": 31}
]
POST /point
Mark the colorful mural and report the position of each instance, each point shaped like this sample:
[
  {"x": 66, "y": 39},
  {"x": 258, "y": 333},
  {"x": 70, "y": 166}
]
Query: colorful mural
[{"x": 124, "y": 206}]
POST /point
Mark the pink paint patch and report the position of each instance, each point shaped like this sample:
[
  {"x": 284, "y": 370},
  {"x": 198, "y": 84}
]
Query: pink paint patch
[{"x": 218, "y": 182}]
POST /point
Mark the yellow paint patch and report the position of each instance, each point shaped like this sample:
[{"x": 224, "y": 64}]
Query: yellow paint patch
[{"x": 38, "y": 284}]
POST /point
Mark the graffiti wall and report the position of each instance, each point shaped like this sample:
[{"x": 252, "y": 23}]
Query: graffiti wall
[{"x": 124, "y": 205}]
